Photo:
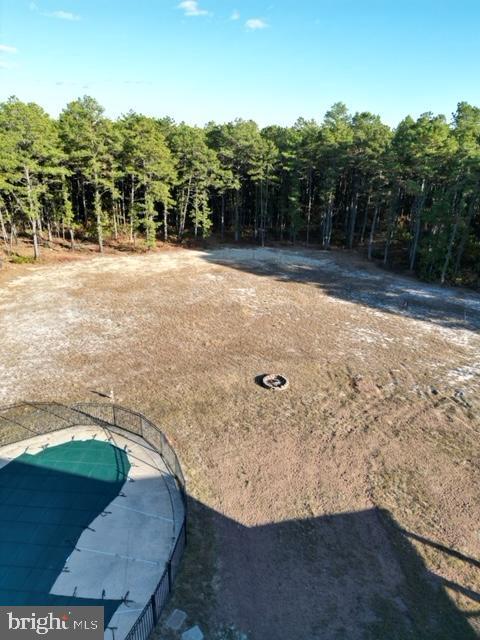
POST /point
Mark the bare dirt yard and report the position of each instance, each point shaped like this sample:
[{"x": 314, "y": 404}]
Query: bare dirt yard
[{"x": 345, "y": 507}]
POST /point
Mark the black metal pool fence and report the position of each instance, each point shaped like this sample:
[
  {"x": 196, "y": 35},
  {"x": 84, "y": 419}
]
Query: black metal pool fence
[{"x": 21, "y": 421}]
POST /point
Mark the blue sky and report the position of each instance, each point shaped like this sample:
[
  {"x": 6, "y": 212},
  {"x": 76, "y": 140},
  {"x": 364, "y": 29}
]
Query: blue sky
[{"x": 219, "y": 59}]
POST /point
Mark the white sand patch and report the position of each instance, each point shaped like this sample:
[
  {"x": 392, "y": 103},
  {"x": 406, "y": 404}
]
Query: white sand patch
[
  {"x": 466, "y": 373},
  {"x": 244, "y": 294},
  {"x": 372, "y": 336}
]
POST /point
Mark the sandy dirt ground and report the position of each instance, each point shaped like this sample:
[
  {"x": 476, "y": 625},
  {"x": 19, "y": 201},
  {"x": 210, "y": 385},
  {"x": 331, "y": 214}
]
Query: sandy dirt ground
[{"x": 347, "y": 506}]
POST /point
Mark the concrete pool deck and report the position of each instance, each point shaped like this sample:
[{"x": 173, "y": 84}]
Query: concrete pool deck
[{"x": 123, "y": 553}]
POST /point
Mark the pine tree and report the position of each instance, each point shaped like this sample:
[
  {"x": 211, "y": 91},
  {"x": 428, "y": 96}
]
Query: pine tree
[{"x": 29, "y": 157}]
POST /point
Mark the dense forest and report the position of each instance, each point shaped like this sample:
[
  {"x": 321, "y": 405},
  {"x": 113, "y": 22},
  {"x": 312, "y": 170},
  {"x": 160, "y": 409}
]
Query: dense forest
[{"x": 410, "y": 197}]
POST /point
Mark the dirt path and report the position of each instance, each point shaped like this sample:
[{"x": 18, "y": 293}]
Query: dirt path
[{"x": 304, "y": 491}]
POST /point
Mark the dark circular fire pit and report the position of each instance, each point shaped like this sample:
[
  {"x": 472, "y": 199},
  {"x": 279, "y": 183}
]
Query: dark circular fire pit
[{"x": 275, "y": 381}]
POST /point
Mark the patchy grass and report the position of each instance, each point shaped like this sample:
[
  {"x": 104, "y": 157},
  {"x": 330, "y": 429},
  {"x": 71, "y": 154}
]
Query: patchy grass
[
  {"x": 15, "y": 258},
  {"x": 284, "y": 540}
]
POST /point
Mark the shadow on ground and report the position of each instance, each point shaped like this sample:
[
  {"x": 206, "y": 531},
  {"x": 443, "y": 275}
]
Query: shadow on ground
[
  {"x": 348, "y": 278},
  {"x": 355, "y": 576},
  {"x": 342, "y": 576}
]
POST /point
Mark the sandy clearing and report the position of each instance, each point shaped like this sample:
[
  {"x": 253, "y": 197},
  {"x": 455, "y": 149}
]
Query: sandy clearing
[{"x": 181, "y": 336}]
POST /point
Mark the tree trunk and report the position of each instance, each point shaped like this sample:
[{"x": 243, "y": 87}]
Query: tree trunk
[
  {"x": 372, "y": 233},
  {"x": 237, "y": 217},
  {"x": 451, "y": 241},
  {"x": 122, "y": 207},
  {"x": 13, "y": 236},
  {"x": 365, "y": 222},
  {"x": 4, "y": 230},
  {"x": 463, "y": 241},
  {"x": 183, "y": 213},
  {"x": 255, "y": 215},
  {"x": 36, "y": 249},
  {"x": 392, "y": 216},
  {"x": 417, "y": 221},
  {"x": 115, "y": 223},
  {"x": 33, "y": 215},
  {"x": 84, "y": 203},
  {"x": 195, "y": 227},
  {"x": 416, "y": 237},
  {"x": 222, "y": 217},
  {"x": 98, "y": 215},
  {"x": 309, "y": 206},
  {"x": 165, "y": 222},
  {"x": 149, "y": 220},
  {"x": 132, "y": 206},
  {"x": 327, "y": 224},
  {"x": 76, "y": 198},
  {"x": 264, "y": 212},
  {"x": 353, "y": 219}
]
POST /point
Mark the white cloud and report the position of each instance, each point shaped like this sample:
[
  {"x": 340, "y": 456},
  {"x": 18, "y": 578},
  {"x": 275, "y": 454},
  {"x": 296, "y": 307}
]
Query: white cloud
[
  {"x": 253, "y": 24},
  {"x": 6, "y": 65},
  {"x": 60, "y": 14},
  {"x": 235, "y": 15},
  {"x": 256, "y": 23},
  {"x": 191, "y": 8},
  {"x": 63, "y": 15},
  {"x": 4, "y": 48}
]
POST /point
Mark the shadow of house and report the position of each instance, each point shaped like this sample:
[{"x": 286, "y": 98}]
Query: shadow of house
[
  {"x": 366, "y": 285},
  {"x": 354, "y": 576},
  {"x": 348, "y": 575}
]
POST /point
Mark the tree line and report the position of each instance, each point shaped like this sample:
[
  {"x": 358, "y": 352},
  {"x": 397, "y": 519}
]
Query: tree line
[{"x": 409, "y": 196}]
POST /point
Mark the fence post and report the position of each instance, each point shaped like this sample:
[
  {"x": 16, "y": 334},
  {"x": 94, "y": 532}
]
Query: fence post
[
  {"x": 154, "y": 609},
  {"x": 114, "y": 415},
  {"x": 169, "y": 570}
]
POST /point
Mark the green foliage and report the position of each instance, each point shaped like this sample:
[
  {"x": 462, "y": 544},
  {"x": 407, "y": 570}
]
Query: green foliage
[
  {"x": 412, "y": 194},
  {"x": 198, "y": 171},
  {"x": 17, "y": 259},
  {"x": 29, "y": 155},
  {"x": 147, "y": 165}
]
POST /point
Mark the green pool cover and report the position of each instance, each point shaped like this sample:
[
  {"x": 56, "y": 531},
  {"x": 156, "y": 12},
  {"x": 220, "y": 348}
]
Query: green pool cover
[{"x": 46, "y": 501}]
